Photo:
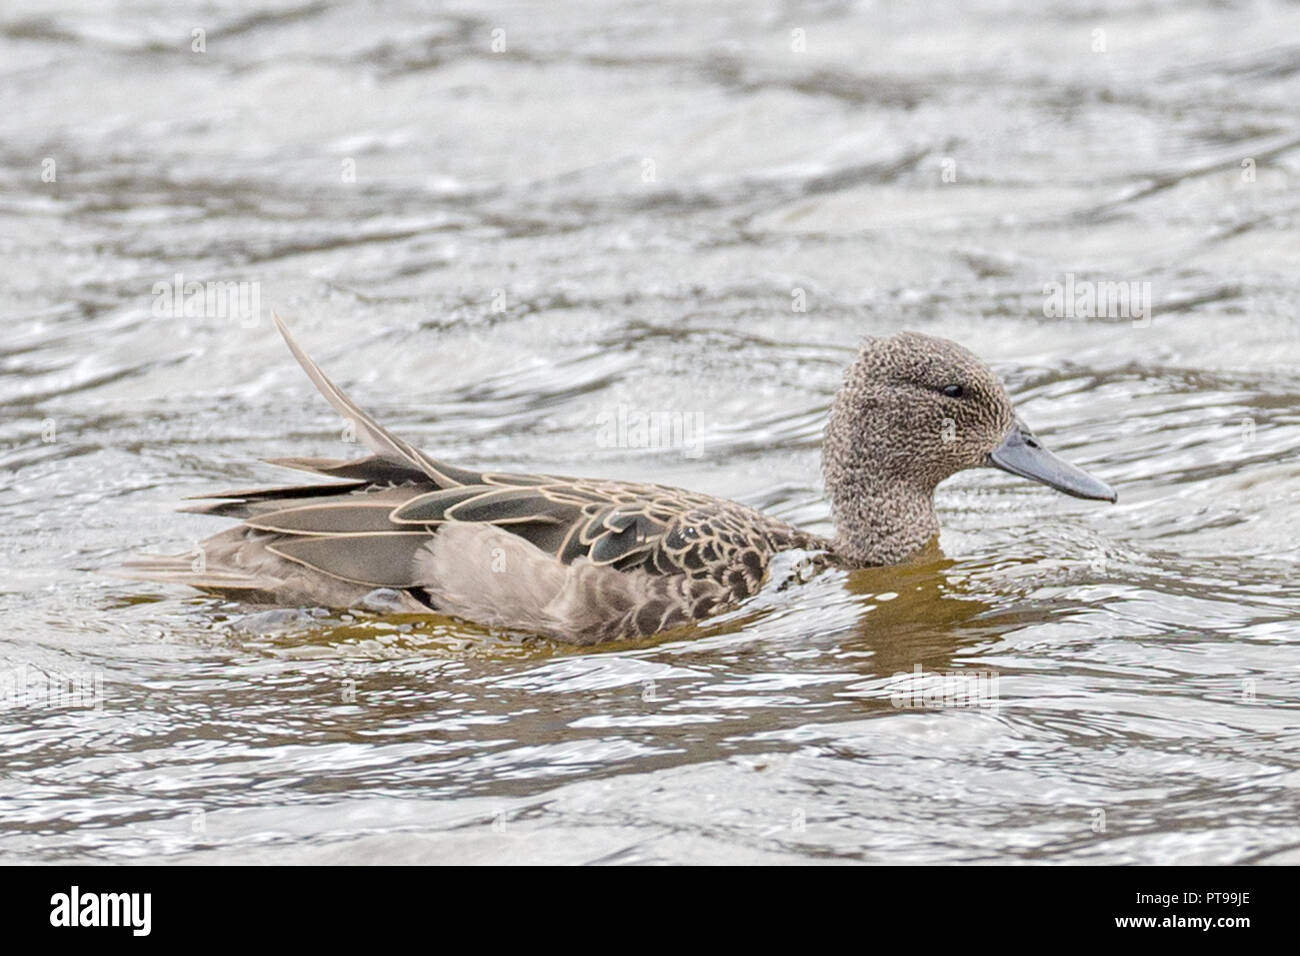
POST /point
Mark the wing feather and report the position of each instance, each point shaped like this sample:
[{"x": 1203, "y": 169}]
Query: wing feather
[
  {"x": 382, "y": 560},
  {"x": 365, "y": 513},
  {"x": 381, "y": 440}
]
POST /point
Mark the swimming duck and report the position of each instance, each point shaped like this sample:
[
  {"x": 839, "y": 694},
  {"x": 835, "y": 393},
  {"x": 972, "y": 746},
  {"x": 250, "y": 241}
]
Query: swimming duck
[{"x": 591, "y": 560}]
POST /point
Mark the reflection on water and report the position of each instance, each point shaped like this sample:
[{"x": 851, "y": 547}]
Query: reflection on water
[{"x": 680, "y": 216}]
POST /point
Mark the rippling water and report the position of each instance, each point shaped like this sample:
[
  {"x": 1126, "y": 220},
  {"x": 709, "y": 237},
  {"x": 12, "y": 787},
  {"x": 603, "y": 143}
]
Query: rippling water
[{"x": 500, "y": 243}]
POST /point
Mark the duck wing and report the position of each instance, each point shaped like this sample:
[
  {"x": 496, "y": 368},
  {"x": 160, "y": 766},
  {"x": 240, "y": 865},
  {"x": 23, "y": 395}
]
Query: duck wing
[
  {"x": 367, "y": 526},
  {"x": 624, "y": 525}
]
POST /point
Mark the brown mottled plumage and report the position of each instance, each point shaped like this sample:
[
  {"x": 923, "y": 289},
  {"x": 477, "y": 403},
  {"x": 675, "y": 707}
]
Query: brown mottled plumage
[{"x": 587, "y": 560}]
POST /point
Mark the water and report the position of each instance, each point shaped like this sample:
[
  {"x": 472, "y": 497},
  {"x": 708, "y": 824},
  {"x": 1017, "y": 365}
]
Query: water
[{"x": 496, "y": 252}]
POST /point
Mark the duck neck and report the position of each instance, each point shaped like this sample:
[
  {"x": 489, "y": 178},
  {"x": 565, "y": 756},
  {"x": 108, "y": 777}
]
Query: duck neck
[
  {"x": 884, "y": 525},
  {"x": 881, "y": 490}
]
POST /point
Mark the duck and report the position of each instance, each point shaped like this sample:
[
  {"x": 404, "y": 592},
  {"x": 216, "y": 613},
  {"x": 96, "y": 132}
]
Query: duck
[{"x": 590, "y": 560}]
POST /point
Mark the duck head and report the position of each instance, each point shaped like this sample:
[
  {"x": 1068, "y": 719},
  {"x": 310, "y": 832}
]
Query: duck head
[{"x": 914, "y": 410}]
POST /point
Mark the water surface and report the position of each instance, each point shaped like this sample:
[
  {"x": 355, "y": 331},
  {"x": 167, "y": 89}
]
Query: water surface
[{"x": 619, "y": 213}]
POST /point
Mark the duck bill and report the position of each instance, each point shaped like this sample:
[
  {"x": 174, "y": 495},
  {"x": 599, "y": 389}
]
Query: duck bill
[{"x": 1021, "y": 454}]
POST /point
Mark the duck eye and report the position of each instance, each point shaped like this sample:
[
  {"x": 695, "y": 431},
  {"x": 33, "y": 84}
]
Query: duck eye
[{"x": 953, "y": 391}]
